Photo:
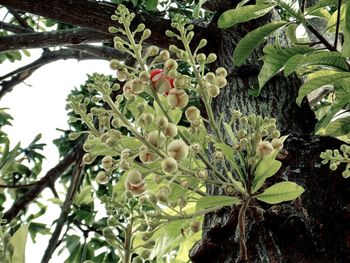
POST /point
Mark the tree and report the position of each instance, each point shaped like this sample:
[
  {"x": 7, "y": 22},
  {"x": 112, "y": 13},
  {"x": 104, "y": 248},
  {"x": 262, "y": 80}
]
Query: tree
[{"x": 313, "y": 228}]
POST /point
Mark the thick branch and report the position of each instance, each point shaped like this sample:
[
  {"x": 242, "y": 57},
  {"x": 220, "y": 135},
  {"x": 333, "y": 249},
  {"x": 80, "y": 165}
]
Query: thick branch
[
  {"x": 49, "y": 39},
  {"x": 89, "y": 14},
  {"x": 49, "y": 179}
]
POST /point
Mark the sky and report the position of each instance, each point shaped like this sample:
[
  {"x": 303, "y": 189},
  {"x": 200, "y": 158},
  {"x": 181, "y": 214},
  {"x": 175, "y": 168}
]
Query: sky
[{"x": 38, "y": 106}]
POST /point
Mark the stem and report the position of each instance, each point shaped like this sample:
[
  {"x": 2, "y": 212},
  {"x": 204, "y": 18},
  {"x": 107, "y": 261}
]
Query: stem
[
  {"x": 127, "y": 244},
  {"x": 205, "y": 98},
  {"x": 241, "y": 226},
  {"x": 337, "y": 25}
]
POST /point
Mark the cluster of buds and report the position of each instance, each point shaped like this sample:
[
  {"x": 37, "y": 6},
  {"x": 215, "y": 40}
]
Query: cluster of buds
[
  {"x": 215, "y": 82},
  {"x": 335, "y": 158}
]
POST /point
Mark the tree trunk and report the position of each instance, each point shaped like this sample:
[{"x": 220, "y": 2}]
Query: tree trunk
[{"x": 313, "y": 228}]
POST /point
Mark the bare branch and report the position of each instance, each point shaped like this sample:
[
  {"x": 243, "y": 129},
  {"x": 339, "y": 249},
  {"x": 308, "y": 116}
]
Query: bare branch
[
  {"x": 14, "y": 28},
  {"x": 76, "y": 180},
  {"x": 49, "y": 179},
  {"x": 20, "y": 74},
  {"x": 103, "y": 52},
  {"x": 53, "y": 38},
  {"x": 19, "y": 19}
]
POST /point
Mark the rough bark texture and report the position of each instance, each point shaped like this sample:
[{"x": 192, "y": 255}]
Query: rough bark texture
[{"x": 314, "y": 228}]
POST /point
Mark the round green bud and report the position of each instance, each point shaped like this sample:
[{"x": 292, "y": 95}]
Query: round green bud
[
  {"x": 171, "y": 64},
  {"x": 333, "y": 167},
  {"x": 102, "y": 177},
  {"x": 213, "y": 90},
  {"x": 220, "y": 81},
  {"x": 201, "y": 58},
  {"x": 211, "y": 58},
  {"x": 169, "y": 165},
  {"x": 192, "y": 113},
  {"x": 202, "y": 174},
  {"x": 144, "y": 76},
  {"x": 164, "y": 55},
  {"x": 264, "y": 148},
  {"x": 221, "y": 72},
  {"x": 140, "y": 27},
  {"x": 177, "y": 149},
  {"x": 210, "y": 77},
  {"x": 143, "y": 227},
  {"x": 146, "y": 33},
  {"x": 114, "y": 64},
  {"x": 88, "y": 158},
  {"x": 346, "y": 173},
  {"x": 195, "y": 226},
  {"x": 162, "y": 123},
  {"x": 145, "y": 254},
  {"x": 275, "y": 134},
  {"x": 107, "y": 163},
  {"x": 153, "y": 51}
]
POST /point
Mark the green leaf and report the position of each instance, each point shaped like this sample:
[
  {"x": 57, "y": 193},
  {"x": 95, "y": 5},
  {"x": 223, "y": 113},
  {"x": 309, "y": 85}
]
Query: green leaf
[
  {"x": 292, "y": 7},
  {"x": 319, "y": 82},
  {"x": 339, "y": 127},
  {"x": 320, "y": 58},
  {"x": 210, "y": 201},
  {"x": 151, "y": 5},
  {"x": 281, "y": 192},
  {"x": 328, "y": 116},
  {"x": 35, "y": 228},
  {"x": 332, "y": 22},
  {"x": 346, "y": 32},
  {"x": 196, "y": 10},
  {"x": 253, "y": 39},
  {"x": 19, "y": 240},
  {"x": 275, "y": 59},
  {"x": 84, "y": 196},
  {"x": 266, "y": 168},
  {"x": 243, "y": 14}
]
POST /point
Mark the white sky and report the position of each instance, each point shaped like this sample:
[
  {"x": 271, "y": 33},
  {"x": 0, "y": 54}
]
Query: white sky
[{"x": 40, "y": 108}]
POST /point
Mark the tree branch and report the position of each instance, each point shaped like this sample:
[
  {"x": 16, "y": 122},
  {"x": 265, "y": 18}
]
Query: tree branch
[
  {"x": 96, "y": 15},
  {"x": 72, "y": 190},
  {"x": 87, "y": 52},
  {"x": 52, "y": 38},
  {"x": 14, "y": 28},
  {"x": 49, "y": 179}
]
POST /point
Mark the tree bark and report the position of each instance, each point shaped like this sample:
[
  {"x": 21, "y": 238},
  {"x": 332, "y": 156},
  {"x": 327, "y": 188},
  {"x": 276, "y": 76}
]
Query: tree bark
[{"x": 313, "y": 228}]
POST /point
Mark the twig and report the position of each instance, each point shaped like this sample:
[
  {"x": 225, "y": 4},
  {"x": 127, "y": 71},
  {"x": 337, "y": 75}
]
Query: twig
[
  {"x": 18, "y": 186},
  {"x": 337, "y": 25},
  {"x": 72, "y": 190},
  {"x": 49, "y": 179}
]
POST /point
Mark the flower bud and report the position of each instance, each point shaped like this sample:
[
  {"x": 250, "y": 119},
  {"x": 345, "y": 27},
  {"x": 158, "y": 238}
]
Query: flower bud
[
  {"x": 146, "y": 156},
  {"x": 169, "y": 165},
  {"x": 202, "y": 174},
  {"x": 275, "y": 134},
  {"x": 137, "y": 85},
  {"x": 202, "y": 43},
  {"x": 102, "y": 177},
  {"x": 170, "y": 130},
  {"x": 165, "y": 55},
  {"x": 146, "y": 33},
  {"x": 213, "y": 90},
  {"x": 153, "y": 51},
  {"x": 88, "y": 158},
  {"x": 107, "y": 163},
  {"x": 195, "y": 226},
  {"x": 149, "y": 244},
  {"x": 264, "y": 148},
  {"x": 162, "y": 198},
  {"x": 114, "y": 64},
  {"x": 192, "y": 113},
  {"x": 210, "y": 77},
  {"x": 220, "y": 81},
  {"x": 184, "y": 184},
  {"x": 134, "y": 182},
  {"x": 277, "y": 144},
  {"x": 144, "y": 76},
  {"x": 116, "y": 123},
  {"x": 201, "y": 58},
  {"x": 115, "y": 134},
  {"x": 179, "y": 83},
  {"x": 140, "y": 27},
  {"x": 177, "y": 149},
  {"x": 122, "y": 74},
  {"x": 221, "y": 72},
  {"x": 178, "y": 98},
  {"x": 162, "y": 123},
  {"x": 125, "y": 154},
  {"x": 145, "y": 254},
  {"x": 112, "y": 222},
  {"x": 211, "y": 58},
  {"x": 156, "y": 138},
  {"x": 170, "y": 64},
  {"x": 236, "y": 114},
  {"x": 195, "y": 147},
  {"x": 124, "y": 165}
]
